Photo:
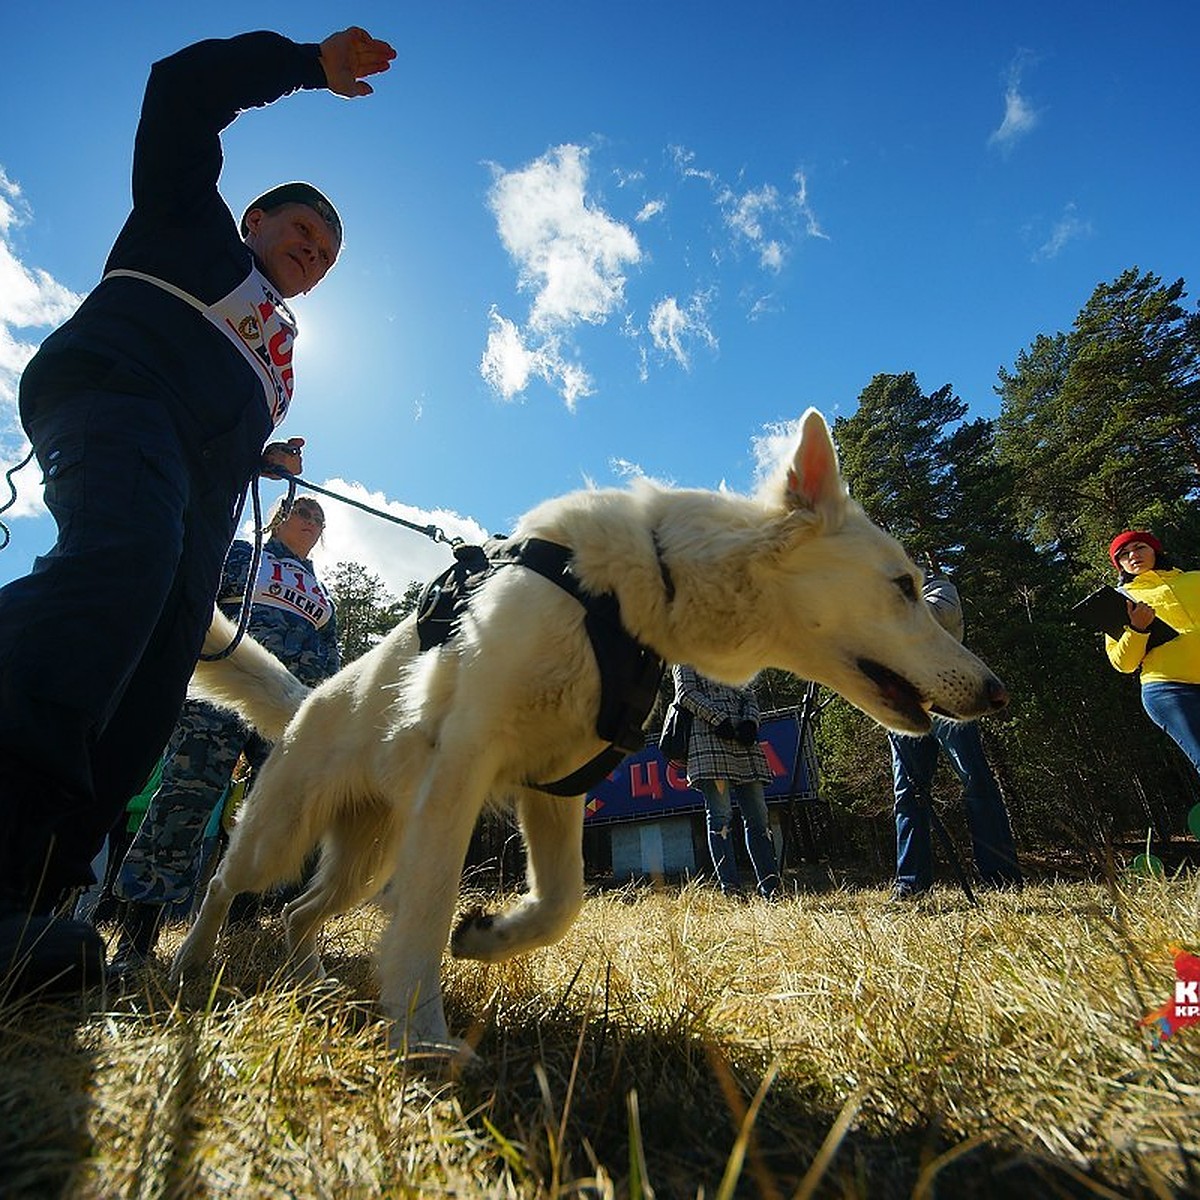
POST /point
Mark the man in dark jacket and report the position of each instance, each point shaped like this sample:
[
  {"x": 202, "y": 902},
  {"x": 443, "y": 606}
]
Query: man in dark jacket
[{"x": 148, "y": 411}]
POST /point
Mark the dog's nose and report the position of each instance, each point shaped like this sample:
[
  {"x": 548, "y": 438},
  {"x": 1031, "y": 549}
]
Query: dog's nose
[{"x": 997, "y": 693}]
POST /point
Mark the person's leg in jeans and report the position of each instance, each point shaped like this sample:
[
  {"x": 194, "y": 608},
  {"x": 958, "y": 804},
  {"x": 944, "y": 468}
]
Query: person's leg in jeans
[
  {"x": 991, "y": 835},
  {"x": 913, "y": 763},
  {"x": 718, "y": 815},
  {"x": 752, "y": 804},
  {"x": 1175, "y": 709}
]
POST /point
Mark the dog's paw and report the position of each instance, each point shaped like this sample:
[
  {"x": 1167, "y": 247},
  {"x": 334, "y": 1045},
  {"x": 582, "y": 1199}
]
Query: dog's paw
[
  {"x": 308, "y": 971},
  {"x": 443, "y": 1057},
  {"x": 184, "y": 966},
  {"x": 472, "y": 933}
]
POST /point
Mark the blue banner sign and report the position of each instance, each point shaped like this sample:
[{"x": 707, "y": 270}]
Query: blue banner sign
[{"x": 646, "y": 785}]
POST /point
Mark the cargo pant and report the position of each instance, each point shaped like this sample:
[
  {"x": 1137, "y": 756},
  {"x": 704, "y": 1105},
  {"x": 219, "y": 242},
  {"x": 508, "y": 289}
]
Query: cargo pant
[{"x": 165, "y": 860}]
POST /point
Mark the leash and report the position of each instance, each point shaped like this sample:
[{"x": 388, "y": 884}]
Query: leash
[
  {"x": 251, "y": 575},
  {"x": 433, "y": 532},
  {"x": 430, "y": 531},
  {"x": 12, "y": 497}
]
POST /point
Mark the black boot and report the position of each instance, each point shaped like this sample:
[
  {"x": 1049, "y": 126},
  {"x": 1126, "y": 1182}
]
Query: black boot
[
  {"x": 135, "y": 941},
  {"x": 43, "y": 955}
]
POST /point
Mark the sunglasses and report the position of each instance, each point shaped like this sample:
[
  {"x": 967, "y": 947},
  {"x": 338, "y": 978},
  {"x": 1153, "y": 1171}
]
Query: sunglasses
[{"x": 308, "y": 514}]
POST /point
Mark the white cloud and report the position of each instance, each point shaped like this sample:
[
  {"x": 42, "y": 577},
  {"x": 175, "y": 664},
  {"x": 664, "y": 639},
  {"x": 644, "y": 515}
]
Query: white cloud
[
  {"x": 762, "y": 218},
  {"x": 1066, "y": 229},
  {"x": 747, "y": 216},
  {"x": 1020, "y": 117},
  {"x": 673, "y": 328},
  {"x": 30, "y": 299},
  {"x": 811, "y": 225},
  {"x": 684, "y": 161},
  {"x": 573, "y": 259},
  {"x": 570, "y": 255},
  {"x": 624, "y": 468},
  {"x": 509, "y": 363},
  {"x": 772, "y": 448}
]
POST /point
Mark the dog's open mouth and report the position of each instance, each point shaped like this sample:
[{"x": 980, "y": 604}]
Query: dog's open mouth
[{"x": 897, "y": 693}]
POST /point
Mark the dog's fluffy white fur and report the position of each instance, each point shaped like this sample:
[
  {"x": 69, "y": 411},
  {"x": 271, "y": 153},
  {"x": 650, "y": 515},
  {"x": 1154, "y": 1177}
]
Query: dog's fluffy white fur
[{"x": 388, "y": 764}]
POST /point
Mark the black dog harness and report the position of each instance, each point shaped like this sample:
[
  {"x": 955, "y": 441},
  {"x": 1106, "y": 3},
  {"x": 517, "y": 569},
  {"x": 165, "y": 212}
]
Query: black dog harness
[{"x": 629, "y": 672}]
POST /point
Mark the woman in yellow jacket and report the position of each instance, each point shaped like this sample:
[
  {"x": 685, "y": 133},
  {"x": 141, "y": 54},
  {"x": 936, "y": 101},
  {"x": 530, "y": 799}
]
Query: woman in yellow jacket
[{"x": 1171, "y": 671}]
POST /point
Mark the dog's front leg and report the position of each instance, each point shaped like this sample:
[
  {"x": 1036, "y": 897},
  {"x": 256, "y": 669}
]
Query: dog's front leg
[
  {"x": 553, "y": 830},
  {"x": 433, "y": 845}
]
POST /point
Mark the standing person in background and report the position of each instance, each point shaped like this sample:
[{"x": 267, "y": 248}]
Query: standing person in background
[
  {"x": 726, "y": 763},
  {"x": 293, "y": 617},
  {"x": 914, "y": 761},
  {"x": 148, "y": 411},
  {"x": 1171, "y": 671}
]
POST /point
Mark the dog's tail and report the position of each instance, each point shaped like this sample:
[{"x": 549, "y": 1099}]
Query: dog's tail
[{"x": 251, "y": 681}]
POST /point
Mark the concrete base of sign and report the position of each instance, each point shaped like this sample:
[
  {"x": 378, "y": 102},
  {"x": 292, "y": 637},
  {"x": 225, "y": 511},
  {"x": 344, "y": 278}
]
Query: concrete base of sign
[{"x": 654, "y": 848}]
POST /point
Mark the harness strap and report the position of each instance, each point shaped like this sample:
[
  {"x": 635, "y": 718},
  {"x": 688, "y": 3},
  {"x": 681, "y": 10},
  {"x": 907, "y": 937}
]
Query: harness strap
[{"x": 629, "y": 672}]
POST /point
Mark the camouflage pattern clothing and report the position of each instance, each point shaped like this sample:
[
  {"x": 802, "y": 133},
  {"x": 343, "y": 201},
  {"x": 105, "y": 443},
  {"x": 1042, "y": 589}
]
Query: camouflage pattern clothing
[{"x": 294, "y": 618}]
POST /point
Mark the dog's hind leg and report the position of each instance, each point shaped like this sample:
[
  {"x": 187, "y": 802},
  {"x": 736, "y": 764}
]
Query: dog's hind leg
[
  {"x": 553, "y": 830},
  {"x": 270, "y": 842},
  {"x": 356, "y": 856}
]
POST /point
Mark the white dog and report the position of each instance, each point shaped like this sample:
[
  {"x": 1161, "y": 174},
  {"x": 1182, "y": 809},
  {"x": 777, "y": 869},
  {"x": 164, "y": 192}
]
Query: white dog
[{"x": 388, "y": 763}]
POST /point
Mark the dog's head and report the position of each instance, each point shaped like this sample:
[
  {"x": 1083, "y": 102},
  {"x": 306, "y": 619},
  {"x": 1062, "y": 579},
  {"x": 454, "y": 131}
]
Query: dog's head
[{"x": 846, "y": 602}]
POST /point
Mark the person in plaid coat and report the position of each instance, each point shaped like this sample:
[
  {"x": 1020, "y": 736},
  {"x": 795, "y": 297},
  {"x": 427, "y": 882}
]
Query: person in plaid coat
[{"x": 726, "y": 763}]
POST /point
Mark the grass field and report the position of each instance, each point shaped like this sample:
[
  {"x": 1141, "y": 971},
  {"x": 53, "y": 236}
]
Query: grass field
[{"x": 675, "y": 1044}]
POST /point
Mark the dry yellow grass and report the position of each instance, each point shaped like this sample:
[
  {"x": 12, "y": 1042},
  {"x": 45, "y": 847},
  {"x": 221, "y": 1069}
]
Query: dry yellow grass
[{"x": 674, "y": 1044}]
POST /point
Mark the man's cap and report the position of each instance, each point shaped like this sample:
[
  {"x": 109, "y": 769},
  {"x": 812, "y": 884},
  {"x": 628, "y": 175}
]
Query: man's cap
[
  {"x": 296, "y": 193},
  {"x": 1132, "y": 535}
]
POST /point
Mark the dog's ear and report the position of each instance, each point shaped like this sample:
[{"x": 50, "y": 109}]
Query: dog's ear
[{"x": 814, "y": 483}]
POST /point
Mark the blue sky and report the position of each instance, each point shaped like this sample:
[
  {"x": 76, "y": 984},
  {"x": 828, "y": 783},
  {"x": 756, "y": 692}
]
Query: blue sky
[{"x": 588, "y": 240}]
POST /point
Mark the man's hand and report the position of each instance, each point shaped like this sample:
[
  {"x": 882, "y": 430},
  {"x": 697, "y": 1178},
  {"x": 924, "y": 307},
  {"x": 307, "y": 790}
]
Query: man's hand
[
  {"x": 287, "y": 456},
  {"x": 351, "y": 54}
]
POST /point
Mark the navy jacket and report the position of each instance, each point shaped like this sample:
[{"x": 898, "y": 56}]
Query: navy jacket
[{"x": 133, "y": 337}]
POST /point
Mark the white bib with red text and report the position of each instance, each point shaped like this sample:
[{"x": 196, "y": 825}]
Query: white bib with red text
[
  {"x": 288, "y": 584},
  {"x": 257, "y": 321}
]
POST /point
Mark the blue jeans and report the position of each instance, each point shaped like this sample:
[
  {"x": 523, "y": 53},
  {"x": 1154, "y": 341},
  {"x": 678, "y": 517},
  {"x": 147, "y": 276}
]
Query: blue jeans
[
  {"x": 719, "y": 795},
  {"x": 914, "y": 761},
  {"x": 1175, "y": 709}
]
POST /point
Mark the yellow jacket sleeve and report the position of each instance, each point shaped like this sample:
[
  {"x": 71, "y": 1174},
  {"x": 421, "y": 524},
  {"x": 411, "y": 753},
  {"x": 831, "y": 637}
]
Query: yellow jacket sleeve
[{"x": 1126, "y": 652}]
